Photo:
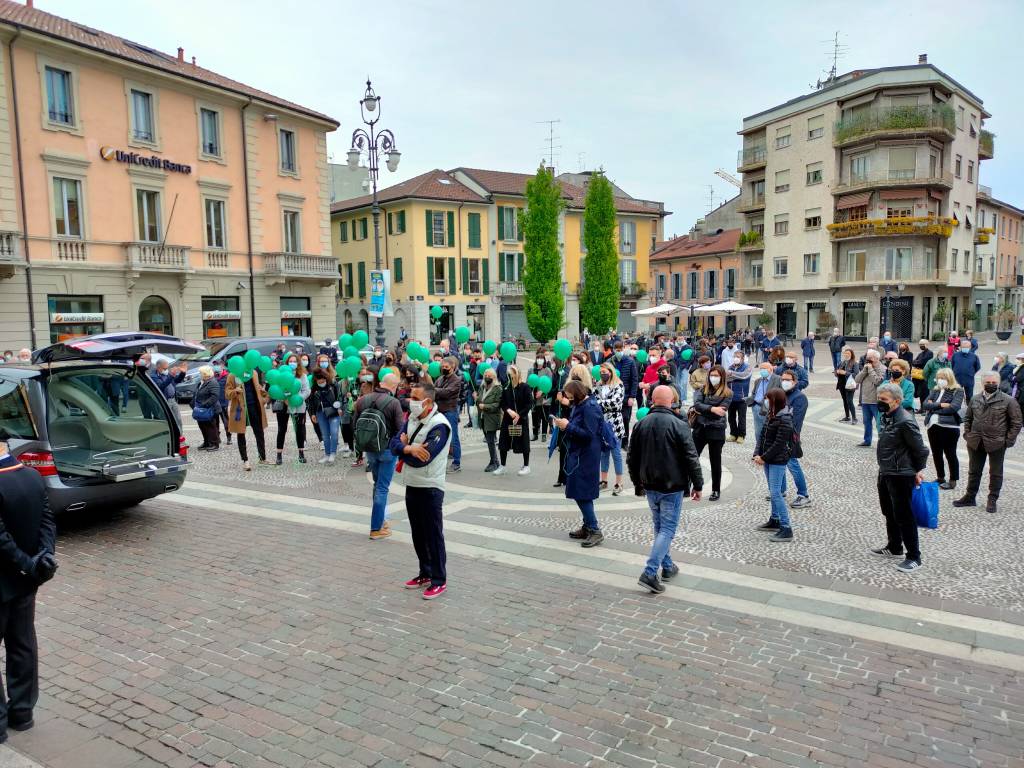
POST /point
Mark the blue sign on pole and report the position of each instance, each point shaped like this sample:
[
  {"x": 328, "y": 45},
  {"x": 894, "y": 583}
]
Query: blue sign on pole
[{"x": 380, "y": 293}]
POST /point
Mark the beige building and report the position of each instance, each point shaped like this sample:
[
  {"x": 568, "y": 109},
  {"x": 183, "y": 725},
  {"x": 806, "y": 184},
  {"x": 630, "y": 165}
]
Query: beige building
[
  {"x": 861, "y": 202},
  {"x": 1002, "y": 234},
  {"x": 139, "y": 190}
]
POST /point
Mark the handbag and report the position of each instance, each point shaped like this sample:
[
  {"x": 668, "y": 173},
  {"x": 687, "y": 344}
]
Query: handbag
[
  {"x": 924, "y": 502},
  {"x": 851, "y": 383},
  {"x": 693, "y": 416},
  {"x": 515, "y": 430},
  {"x": 201, "y": 413},
  {"x": 917, "y": 374}
]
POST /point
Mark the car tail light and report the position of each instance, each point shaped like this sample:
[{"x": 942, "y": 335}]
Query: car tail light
[
  {"x": 40, "y": 461},
  {"x": 182, "y": 447}
]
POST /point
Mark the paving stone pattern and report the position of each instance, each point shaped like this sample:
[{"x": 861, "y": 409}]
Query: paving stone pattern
[{"x": 179, "y": 636}]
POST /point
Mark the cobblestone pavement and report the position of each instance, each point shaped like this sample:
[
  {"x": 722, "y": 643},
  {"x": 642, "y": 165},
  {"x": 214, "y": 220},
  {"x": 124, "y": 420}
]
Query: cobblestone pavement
[{"x": 181, "y": 635}]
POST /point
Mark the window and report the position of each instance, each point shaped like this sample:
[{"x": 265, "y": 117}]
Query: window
[
  {"x": 757, "y": 225},
  {"x": 902, "y": 163},
  {"x": 660, "y": 290},
  {"x": 781, "y": 267},
  {"x": 967, "y": 259},
  {"x": 67, "y": 195},
  {"x": 349, "y": 285},
  {"x": 398, "y": 269},
  {"x": 958, "y": 166},
  {"x": 898, "y": 263},
  {"x": 627, "y": 237},
  {"x": 215, "y": 220},
  {"x": 903, "y": 101},
  {"x": 677, "y": 285},
  {"x": 960, "y": 118},
  {"x": 222, "y": 317},
  {"x": 970, "y": 171},
  {"x": 811, "y": 261},
  {"x": 142, "y": 116},
  {"x": 952, "y": 260},
  {"x": 782, "y": 137},
  {"x": 859, "y": 168},
  {"x": 933, "y": 166},
  {"x": 73, "y": 316},
  {"x": 474, "y": 230},
  {"x": 898, "y": 209},
  {"x": 812, "y": 218},
  {"x": 473, "y": 275},
  {"x": 209, "y": 126},
  {"x": 437, "y": 229},
  {"x": 816, "y": 127},
  {"x": 814, "y": 173},
  {"x": 730, "y": 283},
  {"x": 286, "y": 149},
  {"x": 974, "y": 125},
  {"x": 360, "y": 228},
  {"x": 852, "y": 268},
  {"x": 361, "y": 272},
  {"x": 627, "y": 273},
  {"x": 292, "y": 236},
  {"x": 757, "y": 190},
  {"x": 510, "y": 223},
  {"x": 711, "y": 284},
  {"x": 691, "y": 284},
  {"x": 297, "y": 314},
  {"x": 59, "y": 100},
  {"x": 147, "y": 203},
  {"x": 857, "y": 213},
  {"x": 510, "y": 267},
  {"x": 14, "y": 414},
  {"x": 782, "y": 224},
  {"x": 439, "y": 283},
  {"x": 756, "y": 273},
  {"x": 782, "y": 181},
  {"x": 343, "y": 232}
]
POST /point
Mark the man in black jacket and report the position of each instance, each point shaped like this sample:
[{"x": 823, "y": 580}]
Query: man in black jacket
[
  {"x": 902, "y": 457},
  {"x": 663, "y": 464},
  {"x": 27, "y": 534}
]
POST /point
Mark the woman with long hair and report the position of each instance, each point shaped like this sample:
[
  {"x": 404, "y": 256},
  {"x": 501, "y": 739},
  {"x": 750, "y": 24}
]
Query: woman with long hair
[
  {"x": 712, "y": 404},
  {"x": 516, "y": 403},
  {"x": 583, "y": 431},
  {"x": 610, "y": 396},
  {"x": 247, "y": 401},
  {"x": 942, "y": 423},
  {"x": 488, "y": 404},
  {"x": 774, "y": 450},
  {"x": 844, "y": 375},
  {"x": 325, "y": 405},
  {"x": 286, "y": 411}
]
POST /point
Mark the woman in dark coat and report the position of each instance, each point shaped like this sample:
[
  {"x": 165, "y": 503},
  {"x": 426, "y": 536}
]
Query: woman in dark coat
[
  {"x": 917, "y": 373},
  {"x": 583, "y": 430},
  {"x": 516, "y": 404},
  {"x": 207, "y": 398},
  {"x": 712, "y": 404}
]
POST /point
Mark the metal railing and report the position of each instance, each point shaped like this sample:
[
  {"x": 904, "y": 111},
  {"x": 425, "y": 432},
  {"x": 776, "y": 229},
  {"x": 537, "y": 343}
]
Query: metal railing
[
  {"x": 932, "y": 117},
  {"x": 901, "y": 225},
  {"x": 156, "y": 256},
  {"x": 754, "y": 155},
  {"x": 979, "y": 278},
  {"x": 300, "y": 265},
  {"x": 507, "y": 288},
  {"x": 9, "y": 250},
  {"x": 633, "y": 289},
  {"x": 893, "y": 178},
  {"x": 894, "y": 273}
]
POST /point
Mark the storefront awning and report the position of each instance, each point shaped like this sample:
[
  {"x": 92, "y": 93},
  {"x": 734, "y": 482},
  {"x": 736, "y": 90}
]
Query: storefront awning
[
  {"x": 853, "y": 201},
  {"x": 935, "y": 193},
  {"x": 902, "y": 194}
]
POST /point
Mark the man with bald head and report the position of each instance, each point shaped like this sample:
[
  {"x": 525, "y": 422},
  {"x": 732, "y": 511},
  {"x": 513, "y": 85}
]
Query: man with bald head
[
  {"x": 377, "y": 418},
  {"x": 663, "y": 465},
  {"x": 991, "y": 425}
]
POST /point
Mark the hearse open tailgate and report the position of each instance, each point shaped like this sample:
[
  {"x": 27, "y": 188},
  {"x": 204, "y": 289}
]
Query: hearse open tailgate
[{"x": 136, "y": 470}]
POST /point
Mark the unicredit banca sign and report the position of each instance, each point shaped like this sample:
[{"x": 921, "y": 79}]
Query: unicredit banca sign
[{"x": 148, "y": 161}]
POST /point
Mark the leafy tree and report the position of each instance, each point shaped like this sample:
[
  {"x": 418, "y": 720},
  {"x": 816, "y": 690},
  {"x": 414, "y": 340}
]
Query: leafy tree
[
  {"x": 542, "y": 273},
  {"x": 599, "y": 302}
]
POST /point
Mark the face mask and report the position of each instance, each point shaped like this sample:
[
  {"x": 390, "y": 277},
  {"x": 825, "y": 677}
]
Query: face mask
[
  {"x": 990, "y": 388},
  {"x": 941, "y": 383},
  {"x": 321, "y": 383},
  {"x": 896, "y": 375},
  {"x": 965, "y": 348},
  {"x": 305, "y": 362},
  {"x": 606, "y": 377},
  {"x": 632, "y": 353},
  {"x": 888, "y": 336},
  {"x": 923, "y": 346},
  {"x": 997, "y": 360},
  {"x": 883, "y": 406},
  {"x": 324, "y": 365},
  {"x": 415, "y": 408},
  {"x": 715, "y": 380},
  {"x": 217, "y": 369},
  {"x": 787, "y": 385},
  {"x": 706, "y": 366},
  {"x": 490, "y": 382},
  {"x": 377, "y": 353},
  {"x": 942, "y": 357},
  {"x": 763, "y": 373},
  {"x": 366, "y": 379},
  {"x": 731, "y": 345},
  {"x": 618, "y": 355},
  {"x": 293, "y": 366},
  {"x": 790, "y": 362},
  {"x": 541, "y": 360}
]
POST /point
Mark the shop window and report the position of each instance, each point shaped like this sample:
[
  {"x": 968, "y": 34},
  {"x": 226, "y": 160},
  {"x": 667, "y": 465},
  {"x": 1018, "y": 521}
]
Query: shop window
[
  {"x": 221, "y": 317},
  {"x": 74, "y": 316},
  {"x": 296, "y": 316},
  {"x": 155, "y": 315}
]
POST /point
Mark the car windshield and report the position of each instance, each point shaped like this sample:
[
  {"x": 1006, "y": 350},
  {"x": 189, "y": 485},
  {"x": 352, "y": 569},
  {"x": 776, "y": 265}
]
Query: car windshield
[
  {"x": 210, "y": 350},
  {"x": 104, "y": 416}
]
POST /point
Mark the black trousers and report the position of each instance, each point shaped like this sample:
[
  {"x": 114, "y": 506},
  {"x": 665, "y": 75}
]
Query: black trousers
[
  {"x": 261, "y": 445},
  {"x": 738, "y": 418},
  {"x": 995, "y": 471},
  {"x": 901, "y": 528},
  {"x": 714, "y": 454},
  {"x": 224, "y": 418},
  {"x": 526, "y": 456},
  {"x": 210, "y": 431},
  {"x": 283, "y": 417},
  {"x": 347, "y": 434},
  {"x": 540, "y": 419},
  {"x": 849, "y": 409},
  {"x": 423, "y": 505},
  {"x": 492, "y": 450},
  {"x": 942, "y": 441},
  {"x": 17, "y": 626},
  {"x": 627, "y": 414}
]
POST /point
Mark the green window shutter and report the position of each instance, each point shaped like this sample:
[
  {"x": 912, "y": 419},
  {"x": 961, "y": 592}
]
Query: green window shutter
[
  {"x": 430, "y": 274},
  {"x": 451, "y": 275},
  {"x": 391, "y": 229},
  {"x": 451, "y": 229},
  {"x": 501, "y": 222},
  {"x": 430, "y": 228},
  {"x": 520, "y": 270},
  {"x": 398, "y": 269},
  {"x": 474, "y": 230},
  {"x": 355, "y": 235},
  {"x": 519, "y": 226},
  {"x": 343, "y": 232},
  {"x": 487, "y": 276},
  {"x": 348, "y": 277},
  {"x": 465, "y": 275},
  {"x": 363, "y": 227},
  {"x": 362, "y": 279},
  {"x": 501, "y": 267}
]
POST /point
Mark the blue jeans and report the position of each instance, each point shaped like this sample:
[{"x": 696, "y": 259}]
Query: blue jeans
[
  {"x": 665, "y": 509},
  {"x": 453, "y": 421},
  {"x": 869, "y": 413},
  {"x": 809, "y": 364},
  {"x": 682, "y": 379},
  {"x": 589, "y": 517},
  {"x": 330, "y": 433},
  {"x": 382, "y": 465},
  {"x": 776, "y": 474},
  {"x": 798, "y": 478},
  {"x": 616, "y": 454},
  {"x": 758, "y": 424},
  {"x": 835, "y": 359}
]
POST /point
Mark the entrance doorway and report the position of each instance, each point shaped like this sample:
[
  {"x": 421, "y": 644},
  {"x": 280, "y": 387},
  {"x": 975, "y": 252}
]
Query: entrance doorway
[
  {"x": 785, "y": 320},
  {"x": 897, "y": 316},
  {"x": 155, "y": 315}
]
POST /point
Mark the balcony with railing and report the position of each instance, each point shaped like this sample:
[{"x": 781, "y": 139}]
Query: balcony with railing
[
  {"x": 750, "y": 280},
  {"x": 982, "y": 235},
  {"x": 941, "y": 226},
  {"x": 986, "y": 145},
  {"x": 984, "y": 191},
  {"x": 153, "y": 257},
  {"x": 508, "y": 288},
  {"x": 10, "y": 248},
  {"x": 751, "y": 203},
  {"x": 750, "y": 242},
  {"x": 881, "y": 272},
  {"x": 751, "y": 158},
  {"x": 891, "y": 179},
  {"x": 632, "y": 290},
  {"x": 299, "y": 266},
  {"x": 936, "y": 120},
  {"x": 1008, "y": 281},
  {"x": 979, "y": 278}
]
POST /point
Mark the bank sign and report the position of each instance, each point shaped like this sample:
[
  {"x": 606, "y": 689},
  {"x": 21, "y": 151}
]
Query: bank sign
[{"x": 150, "y": 161}]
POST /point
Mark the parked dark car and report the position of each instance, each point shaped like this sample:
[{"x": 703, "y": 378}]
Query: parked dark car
[
  {"x": 92, "y": 423},
  {"x": 217, "y": 352}
]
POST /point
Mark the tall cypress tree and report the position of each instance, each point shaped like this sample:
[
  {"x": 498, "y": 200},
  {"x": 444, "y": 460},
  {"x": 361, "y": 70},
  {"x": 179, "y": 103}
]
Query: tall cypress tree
[
  {"x": 599, "y": 303},
  {"x": 542, "y": 274}
]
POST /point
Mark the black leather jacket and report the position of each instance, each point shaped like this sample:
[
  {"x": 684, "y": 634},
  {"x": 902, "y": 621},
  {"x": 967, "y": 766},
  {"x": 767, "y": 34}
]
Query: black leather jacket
[
  {"x": 662, "y": 456},
  {"x": 901, "y": 451}
]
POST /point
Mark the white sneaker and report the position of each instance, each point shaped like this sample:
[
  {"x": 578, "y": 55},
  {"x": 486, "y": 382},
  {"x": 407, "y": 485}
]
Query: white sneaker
[
  {"x": 523, "y": 471},
  {"x": 323, "y": 460},
  {"x": 499, "y": 471},
  {"x": 801, "y": 501},
  {"x": 330, "y": 459},
  {"x": 345, "y": 453}
]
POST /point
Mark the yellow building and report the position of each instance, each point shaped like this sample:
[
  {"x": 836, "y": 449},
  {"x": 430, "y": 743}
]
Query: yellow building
[{"x": 451, "y": 239}]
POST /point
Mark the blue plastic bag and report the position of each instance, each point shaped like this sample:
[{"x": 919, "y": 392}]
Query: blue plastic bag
[{"x": 924, "y": 501}]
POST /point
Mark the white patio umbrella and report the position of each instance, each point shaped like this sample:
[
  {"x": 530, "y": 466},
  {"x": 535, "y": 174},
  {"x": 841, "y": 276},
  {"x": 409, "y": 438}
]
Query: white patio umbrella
[
  {"x": 662, "y": 310},
  {"x": 729, "y": 308}
]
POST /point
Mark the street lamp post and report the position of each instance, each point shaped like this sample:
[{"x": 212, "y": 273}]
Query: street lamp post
[{"x": 373, "y": 142}]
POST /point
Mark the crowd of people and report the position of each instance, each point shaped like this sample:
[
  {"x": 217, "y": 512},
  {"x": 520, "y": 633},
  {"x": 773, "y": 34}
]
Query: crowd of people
[{"x": 678, "y": 396}]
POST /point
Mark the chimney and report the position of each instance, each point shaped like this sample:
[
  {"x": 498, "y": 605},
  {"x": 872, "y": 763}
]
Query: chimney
[
  {"x": 181, "y": 54},
  {"x": 193, "y": 61},
  {"x": 922, "y": 58},
  {"x": 29, "y": 4}
]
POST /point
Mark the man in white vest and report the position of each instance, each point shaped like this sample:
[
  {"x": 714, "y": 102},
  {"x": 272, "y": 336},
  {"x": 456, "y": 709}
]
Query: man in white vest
[{"x": 423, "y": 449}]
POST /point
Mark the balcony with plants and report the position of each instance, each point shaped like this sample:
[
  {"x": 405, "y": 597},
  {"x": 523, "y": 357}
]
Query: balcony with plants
[
  {"x": 632, "y": 290},
  {"x": 941, "y": 226},
  {"x": 892, "y": 178},
  {"x": 986, "y": 145},
  {"x": 750, "y": 241},
  {"x": 982, "y": 235},
  {"x": 936, "y": 120}
]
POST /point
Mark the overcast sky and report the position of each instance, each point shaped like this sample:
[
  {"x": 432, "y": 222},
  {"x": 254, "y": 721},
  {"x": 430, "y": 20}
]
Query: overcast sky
[{"x": 652, "y": 91}]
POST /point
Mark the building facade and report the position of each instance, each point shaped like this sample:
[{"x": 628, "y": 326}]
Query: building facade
[
  {"x": 1003, "y": 231},
  {"x": 141, "y": 191},
  {"x": 452, "y": 239},
  {"x": 861, "y": 204}
]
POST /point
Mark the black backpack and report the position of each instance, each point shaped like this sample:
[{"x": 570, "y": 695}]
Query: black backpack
[{"x": 371, "y": 428}]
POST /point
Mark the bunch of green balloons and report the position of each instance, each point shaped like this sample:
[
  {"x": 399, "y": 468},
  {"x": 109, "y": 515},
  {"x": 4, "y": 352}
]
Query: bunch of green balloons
[
  {"x": 284, "y": 385},
  {"x": 242, "y": 366},
  {"x": 417, "y": 352}
]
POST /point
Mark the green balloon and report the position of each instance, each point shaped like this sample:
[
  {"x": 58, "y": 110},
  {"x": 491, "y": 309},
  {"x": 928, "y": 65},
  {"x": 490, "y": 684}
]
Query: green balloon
[
  {"x": 641, "y": 412},
  {"x": 360, "y": 338},
  {"x": 436, "y": 312},
  {"x": 687, "y": 354},
  {"x": 424, "y": 355},
  {"x": 276, "y": 393},
  {"x": 294, "y": 385},
  {"x": 345, "y": 341},
  {"x": 382, "y": 373},
  {"x": 272, "y": 377},
  {"x": 563, "y": 348},
  {"x": 544, "y": 385},
  {"x": 350, "y": 367},
  {"x": 641, "y": 356},
  {"x": 351, "y": 352},
  {"x": 483, "y": 368},
  {"x": 266, "y": 363},
  {"x": 532, "y": 380},
  {"x": 596, "y": 372},
  {"x": 465, "y": 375},
  {"x": 462, "y": 334},
  {"x": 252, "y": 359},
  {"x": 489, "y": 347},
  {"x": 434, "y": 369},
  {"x": 413, "y": 350},
  {"x": 236, "y": 366},
  {"x": 508, "y": 352},
  {"x": 295, "y": 401}
]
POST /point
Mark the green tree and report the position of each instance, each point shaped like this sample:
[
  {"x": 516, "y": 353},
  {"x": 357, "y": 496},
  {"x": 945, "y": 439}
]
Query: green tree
[
  {"x": 542, "y": 273},
  {"x": 599, "y": 302}
]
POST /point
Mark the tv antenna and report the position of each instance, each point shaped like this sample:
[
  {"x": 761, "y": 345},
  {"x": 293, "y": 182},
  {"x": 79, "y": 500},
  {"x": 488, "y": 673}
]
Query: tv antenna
[
  {"x": 836, "y": 51},
  {"x": 711, "y": 198},
  {"x": 581, "y": 164},
  {"x": 552, "y": 138}
]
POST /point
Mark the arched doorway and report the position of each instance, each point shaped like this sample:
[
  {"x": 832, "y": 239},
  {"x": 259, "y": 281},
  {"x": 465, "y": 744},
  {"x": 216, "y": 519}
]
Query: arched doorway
[
  {"x": 348, "y": 327},
  {"x": 155, "y": 315},
  {"x": 364, "y": 320}
]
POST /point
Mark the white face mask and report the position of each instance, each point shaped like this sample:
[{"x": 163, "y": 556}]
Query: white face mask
[
  {"x": 787, "y": 385},
  {"x": 714, "y": 380},
  {"x": 941, "y": 383},
  {"x": 997, "y": 360},
  {"x": 415, "y": 408},
  {"x": 965, "y": 348}
]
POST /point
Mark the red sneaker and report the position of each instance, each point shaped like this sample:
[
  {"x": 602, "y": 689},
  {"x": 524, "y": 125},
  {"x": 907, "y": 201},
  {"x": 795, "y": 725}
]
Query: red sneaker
[
  {"x": 418, "y": 583},
  {"x": 431, "y": 592}
]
